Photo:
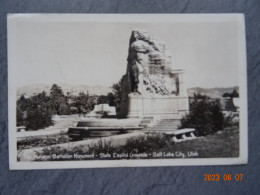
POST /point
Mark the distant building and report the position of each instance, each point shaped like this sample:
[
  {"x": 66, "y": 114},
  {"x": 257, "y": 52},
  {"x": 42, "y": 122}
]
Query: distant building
[{"x": 103, "y": 111}]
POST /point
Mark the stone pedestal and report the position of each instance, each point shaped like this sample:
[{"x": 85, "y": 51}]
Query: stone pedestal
[{"x": 173, "y": 107}]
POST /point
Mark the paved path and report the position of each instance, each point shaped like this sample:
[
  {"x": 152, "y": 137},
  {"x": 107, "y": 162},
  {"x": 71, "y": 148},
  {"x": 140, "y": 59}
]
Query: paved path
[
  {"x": 164, "y": 125},
  {"x": 61, "y": 125}
]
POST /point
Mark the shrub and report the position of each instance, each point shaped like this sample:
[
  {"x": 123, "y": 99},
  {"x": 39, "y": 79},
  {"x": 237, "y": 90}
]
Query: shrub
[
  {"x": 149, "y": 143},
  {"x": 41, "y": 141},
  {"x": 38, "y": 118},
  {"x": 205, "y": 115},
  {"x": 146, "y": 143},
  {"x": 103, "y": 146},
  {"x": 34, "y": 112},
  {"x": 231, "y": 120}
]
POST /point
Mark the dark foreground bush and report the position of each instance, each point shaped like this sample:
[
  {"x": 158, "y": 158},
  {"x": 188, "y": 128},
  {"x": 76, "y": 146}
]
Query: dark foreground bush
[
  {"x": 41, "y": 141},
  {"x": 205, "y": 116},
  {"x": 231, "y": 120},
  {"x": 35, "y": 112},
  {"x": 104, "y": 147},
  {"x": 144, "y": 144},
  {"x": 136, "y": 144},
  {"x": 38, "y": 118}
]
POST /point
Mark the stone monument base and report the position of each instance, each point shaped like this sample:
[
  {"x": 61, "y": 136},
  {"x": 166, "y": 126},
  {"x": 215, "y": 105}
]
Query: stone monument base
[{"x": 172, "y": 107}]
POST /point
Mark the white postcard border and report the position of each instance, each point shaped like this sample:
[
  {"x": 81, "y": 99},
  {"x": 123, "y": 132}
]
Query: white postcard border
[{"x": 161, "y": 18}]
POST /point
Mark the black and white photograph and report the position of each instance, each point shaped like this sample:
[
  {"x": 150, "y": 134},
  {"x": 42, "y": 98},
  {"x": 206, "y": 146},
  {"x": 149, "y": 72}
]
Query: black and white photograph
[{"x": 126, "y": 90}]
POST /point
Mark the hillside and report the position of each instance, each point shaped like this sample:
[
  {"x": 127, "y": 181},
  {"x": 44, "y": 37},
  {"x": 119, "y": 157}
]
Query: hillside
[
  {"x": 211, "y": 92},
  {"x": 31, "y": 90}
]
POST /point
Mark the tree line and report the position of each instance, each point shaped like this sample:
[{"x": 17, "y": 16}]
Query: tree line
[{"x": 36, "y": 112}]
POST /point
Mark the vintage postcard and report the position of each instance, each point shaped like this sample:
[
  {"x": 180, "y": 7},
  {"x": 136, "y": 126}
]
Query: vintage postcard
[{"x": 126, "y": 90}]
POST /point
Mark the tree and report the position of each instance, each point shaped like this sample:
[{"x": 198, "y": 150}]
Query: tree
[
  {"x": 117, "y": 93},
  {"x": 58, "y": 101},
  {"x": 234, "y": 94},
  {"x": 21, "y": 106},
  {"x": 19, "y": 117},
  {"x": 34, "y": 112},
  {"x": 103, "y": 99},
  {"x": 226, "y": 95},
  {"x": 111, "y": 99},
  {"x": 22, "y": 103},
  {"x": 83, "y": 102},
  {"x": 56, "y": 91},
  {"x": 205, "y": 115}
]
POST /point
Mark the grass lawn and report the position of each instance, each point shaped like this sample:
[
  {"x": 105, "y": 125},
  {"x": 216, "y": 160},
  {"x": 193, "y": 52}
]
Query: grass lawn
[
  {"x": 41, "y": 141},
  {"x": 222, "y": 144}
]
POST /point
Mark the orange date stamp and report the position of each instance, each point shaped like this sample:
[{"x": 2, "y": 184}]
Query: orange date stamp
[{"x": 224, "y": 177}]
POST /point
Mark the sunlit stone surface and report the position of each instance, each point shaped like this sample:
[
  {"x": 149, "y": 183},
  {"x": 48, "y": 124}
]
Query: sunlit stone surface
[{"x": 151, "y": 85}]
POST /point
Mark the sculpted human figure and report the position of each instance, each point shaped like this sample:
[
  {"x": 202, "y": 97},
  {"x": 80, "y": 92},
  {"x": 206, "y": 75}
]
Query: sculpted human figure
[{"x": 149, "y": 65}]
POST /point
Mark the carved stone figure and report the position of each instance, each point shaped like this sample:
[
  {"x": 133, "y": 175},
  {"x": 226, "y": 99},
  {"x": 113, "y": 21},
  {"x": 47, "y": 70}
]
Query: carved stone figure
[
  {"x": 150, "y": 84},
  {"x": 149, "y": 66}
]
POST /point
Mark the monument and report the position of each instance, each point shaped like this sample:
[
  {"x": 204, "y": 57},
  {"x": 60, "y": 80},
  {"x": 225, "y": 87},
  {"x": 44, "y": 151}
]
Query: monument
[
  {"x": 151, "y": 86},
  {"x": 154, "y": 97}
]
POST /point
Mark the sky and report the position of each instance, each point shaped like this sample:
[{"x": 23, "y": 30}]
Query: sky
[{"x": 95, "y": 53}]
